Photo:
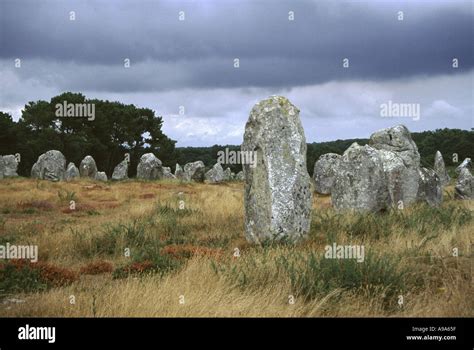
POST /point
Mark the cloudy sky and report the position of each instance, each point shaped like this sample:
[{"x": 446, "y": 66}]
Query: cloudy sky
[{"x": 182, "y": 55}]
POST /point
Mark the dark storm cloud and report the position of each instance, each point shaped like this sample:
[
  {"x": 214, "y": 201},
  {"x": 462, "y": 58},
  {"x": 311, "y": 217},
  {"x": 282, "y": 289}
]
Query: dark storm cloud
[{"x": 198, "y": 53}]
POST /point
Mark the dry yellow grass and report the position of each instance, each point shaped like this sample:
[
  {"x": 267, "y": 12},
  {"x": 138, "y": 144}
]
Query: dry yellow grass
[{"x": 32, "y": 212}]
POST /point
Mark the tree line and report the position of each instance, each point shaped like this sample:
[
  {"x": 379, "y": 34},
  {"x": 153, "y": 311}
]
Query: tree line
[{"x": 118, "y": 129}]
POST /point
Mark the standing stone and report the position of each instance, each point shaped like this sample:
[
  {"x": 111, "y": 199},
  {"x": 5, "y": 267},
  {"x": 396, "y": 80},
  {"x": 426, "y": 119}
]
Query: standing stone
[
  {"x": 167, "y": 174},
  {"x": 401, "y": 163},
  {"x": 2, "y": 167},
  {"x": 10, "y": 166},
  {"x": 216, "y": 174},
  {"x": 464, "y": 188},
  {"x": 465, "y": 164},
  {"x": 240, "y": 176},
  {"x": 101, "y": 176},
  {"x": 360, "y": 182},
  {"x": 194, "y": 171},
  {"x": 35, "y": 171},
  {"x": 430, "y": 188},
  {"x": 278, "y": 196},
  {"x": 179, "y": 172},
  {"x": 149, "y": 167},
  {"x": 72, "y": 172},
  {"x": 121, "y": 171},
  {"x": 440, "y": 168},
  {"x": 396, "y": 173},
  {"x": 325, "y": 171},
  {"x": 88, "y": 168},
  {"x": 50, "y": 166},
  {"x": 227, "y": 174}
]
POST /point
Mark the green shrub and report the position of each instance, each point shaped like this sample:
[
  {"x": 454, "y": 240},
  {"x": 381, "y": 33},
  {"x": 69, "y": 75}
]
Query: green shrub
[
  {"x": 420, "y": 218},
  {"x": 66, "y": 196},
  {"x": 20, "y": 280},
  {"x": 148, "y": 260},
  {"x": 313, "y": 276},
  {"x": 20, "y": 276},
  {"x": 170, "y": 225}
]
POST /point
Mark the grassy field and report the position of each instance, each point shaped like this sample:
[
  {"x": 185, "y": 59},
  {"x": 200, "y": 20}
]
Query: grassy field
[{"x": 194, "y": 261}]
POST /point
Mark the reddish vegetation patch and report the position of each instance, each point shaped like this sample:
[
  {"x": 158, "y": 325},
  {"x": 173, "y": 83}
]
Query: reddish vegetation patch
[
  {"x": 41, "y": 205},
  {"x": 188, "y": 251},
  {"x": 111, "y": 205},
  {"x": 147, "y": 196},
  {"x": 53, "y": 275},
  {"x": 57, "y": 276},
  {"x": 95, "y": 187},
  {"x": 105, "y": 201},
  {"x": 96, "y": 268},
  {"x": 80, "y": 207},
  {"x": 138, "y": 267}
]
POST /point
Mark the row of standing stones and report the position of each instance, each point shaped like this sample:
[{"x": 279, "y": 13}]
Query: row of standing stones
[
  {"x": 384, "y": 174},
  {"x": 52, "y": 166},
  {"x": 389, "y": 173}
]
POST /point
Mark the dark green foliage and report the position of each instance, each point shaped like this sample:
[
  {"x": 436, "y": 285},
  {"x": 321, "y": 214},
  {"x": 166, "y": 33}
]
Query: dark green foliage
[
  {"x": 20, "y": 280},
  {"x": 8, "y": 139},
  {"x": 116, "y": 130},
  {"x": 448, "y": 142},
  {"x": 20, "y": 276}
]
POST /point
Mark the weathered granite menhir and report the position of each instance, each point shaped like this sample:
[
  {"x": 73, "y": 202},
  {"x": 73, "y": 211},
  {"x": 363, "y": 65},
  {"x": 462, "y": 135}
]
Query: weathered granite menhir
[{"x": 278, "y": 193}]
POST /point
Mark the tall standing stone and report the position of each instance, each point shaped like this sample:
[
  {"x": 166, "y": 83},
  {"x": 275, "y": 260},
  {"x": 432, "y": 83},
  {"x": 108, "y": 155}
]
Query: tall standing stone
[
  {"x": 194, "y": 171},
  {"x": 227, "y": 174},
  {"x": 430, "y": 189},
  {"x": 401, "y": 163},
  {"x": 35, "y": 171},
  {"x": 360, "y": 183},
  {"x": 215, "y": 174},
  {"x": 167, "y": 174},
  {"x": 50, "y": 166},
  {"x": 149, "y": 167},
  {"x": 464, "y": 188},
  {"x": 100, "y": 176},
  {"x": 88, "y": 168},
  {"x": 2, "y": 167},
  {"x": 278, "y": 196},
  {"x": 11, "y": 166},
  {"x": 324, "y": 173},
  {"x": 440, "y": 168},
  {"x": 72, "y": 172},
  {"x": 179, "y": 172},
  {"x": 466, "y": 163},
  {"x": 121, "y": 171}
]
